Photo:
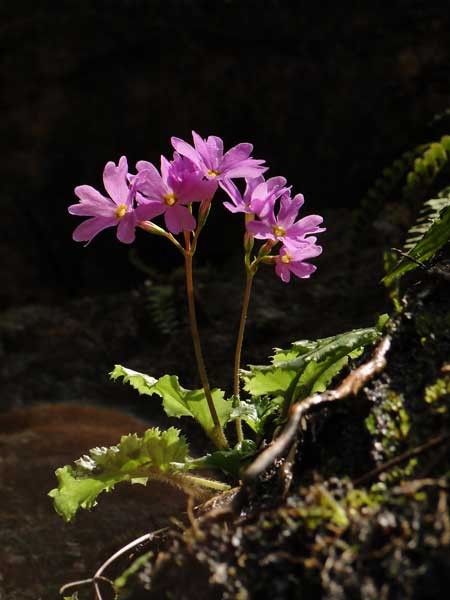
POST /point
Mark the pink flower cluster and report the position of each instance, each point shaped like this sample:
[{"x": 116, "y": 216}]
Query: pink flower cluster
[{"x": 194, "y": 175}]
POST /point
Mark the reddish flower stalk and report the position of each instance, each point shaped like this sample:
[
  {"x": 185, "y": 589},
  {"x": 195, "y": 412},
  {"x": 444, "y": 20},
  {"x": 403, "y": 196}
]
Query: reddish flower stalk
[
  {"x": 238, "y": 351},
  {"x": 219, "y": 435}
]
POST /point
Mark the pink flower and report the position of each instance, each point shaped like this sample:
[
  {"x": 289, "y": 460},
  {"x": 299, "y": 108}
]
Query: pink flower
[
  {"x": 115, "y": 210},
  {"x": 208, "y": 156},
  {"x": 257, "y": 196},
  {"x": 283, "y": 227},
  {"x": 291, "y": 260},
  {"x": 169, "y": 193}
]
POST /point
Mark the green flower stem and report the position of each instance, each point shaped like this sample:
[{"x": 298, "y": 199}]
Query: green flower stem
[
  {"x": 202, "y": 218},
  {"x": 238, "y": 351},
  {"x": 212, "y": 484},
  {"x": 219, "y": 436},
  {"x": 151, "y": 227}
]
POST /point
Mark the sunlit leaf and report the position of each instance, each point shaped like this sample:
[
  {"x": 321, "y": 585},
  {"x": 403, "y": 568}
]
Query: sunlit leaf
[
  {"x": 310, "y": 367},
  {"x": 135, "y": 459},
  {"x": 178, "y": 401}
]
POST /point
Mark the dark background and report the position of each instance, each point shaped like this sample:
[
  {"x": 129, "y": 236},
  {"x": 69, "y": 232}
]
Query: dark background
[{"x": 328, "y": 93}]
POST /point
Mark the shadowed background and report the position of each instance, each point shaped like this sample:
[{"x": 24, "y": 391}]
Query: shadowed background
[{"x": 328, "y": 93}]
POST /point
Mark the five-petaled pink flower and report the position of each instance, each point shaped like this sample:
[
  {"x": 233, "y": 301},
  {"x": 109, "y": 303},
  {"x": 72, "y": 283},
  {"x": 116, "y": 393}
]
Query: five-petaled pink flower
[
  {"x": 117, "y": 210},
  {"x": 258, "y": 194},
  {"x": 291, "y": 259},
  {"x": 208, "y": 156},
  {"x": 193, "y": 176},
  {"x": 283, "y": 227},
  {"x": 179, "y": 184}
]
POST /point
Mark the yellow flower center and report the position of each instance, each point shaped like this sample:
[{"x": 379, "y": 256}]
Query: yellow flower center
[
  {"x": 278, "y": 231},
  {"x": 213, "y": 173},
  {"x": 286, "y": 259},
  {"x": 169, "y": 199},
  {"x": 121, "y": 211}
]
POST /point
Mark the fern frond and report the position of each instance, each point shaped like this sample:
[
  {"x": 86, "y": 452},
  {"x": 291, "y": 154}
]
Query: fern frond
[
  {"x": 392, "y": 176},
  {"x": 162, "y": 307},
  {"x": 436, "y": 235},
  {"x": 428, "y": 215},
  {"x": 427, "y": 167}
]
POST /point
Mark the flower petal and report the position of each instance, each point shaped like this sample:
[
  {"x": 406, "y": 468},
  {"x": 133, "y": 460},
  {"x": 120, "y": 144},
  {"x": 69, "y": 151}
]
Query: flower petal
[
  {"x": 165, "y": 168},
  {"x": 235, "y": 195},
  {"x": 302, "y": 269},
  {"x": 306, "y": 226},
  {"x": 214, "y": 145},
  {"x": 241, "y": 208},
  {"x": 178, "y": 218},
  {"x": 115, "y": 181},
  {"x": 87, "y": 193},
  {"x": 149, "y": 183},
  {"x": 194, "y": 189},
  {"x": 275, "y": 184},
  {"x": 86, "y": 231},
  {"x": 187, "y": 150},
  {"x": 203, "y": 151},
  {"x": 249, "y": 169},
  {"x": 237, "y": 154},
  {"x": 260, "y": 230},
  {"x": 283, "y": 272},
  {"x": 289, "y": 208},
  {"x": 126, "y": 228},
  {"x": 141, "y": 165},
  {"x": 149, "y": 210}
]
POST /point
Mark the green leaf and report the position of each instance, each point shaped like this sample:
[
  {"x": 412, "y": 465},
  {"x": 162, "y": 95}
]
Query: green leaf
[
  {"x": 178, "y": 401},
  {"x": 435, "y": 237},
  {"x": 230, "y": 461},
  {"x": 121, "y": 581},
  {"x": 311, "y": 365},
  {"x": 261, "y": 380},
  {"x": 135, "y": 459},
  {"x": 139, "y": 381},
  {"x": 381, "y": 322},
  {"x": 261, "y": 408}
]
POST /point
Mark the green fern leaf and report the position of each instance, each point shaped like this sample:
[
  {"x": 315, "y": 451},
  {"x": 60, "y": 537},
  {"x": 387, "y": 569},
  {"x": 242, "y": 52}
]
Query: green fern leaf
[{"x": 437, "y": 234}]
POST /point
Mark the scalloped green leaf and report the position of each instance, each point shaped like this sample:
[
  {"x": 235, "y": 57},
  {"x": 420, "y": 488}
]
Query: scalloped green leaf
[
  {"x": 311, "y": 365},
  {"x": 178, "y": 401},
  {"x": 139, "y": 381},
  {"x": 134, "y": 459},
  {"x": 263, "y": 408}
]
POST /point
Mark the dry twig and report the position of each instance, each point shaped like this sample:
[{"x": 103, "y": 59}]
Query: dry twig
[
  {"x": 148, "y": 537},
  {"x": 436, "y": 441}
]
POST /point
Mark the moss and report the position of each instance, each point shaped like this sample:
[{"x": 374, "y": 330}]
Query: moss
[
  {"x": 437, "y": 395},
  {"x": 389, "y": 424}
]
